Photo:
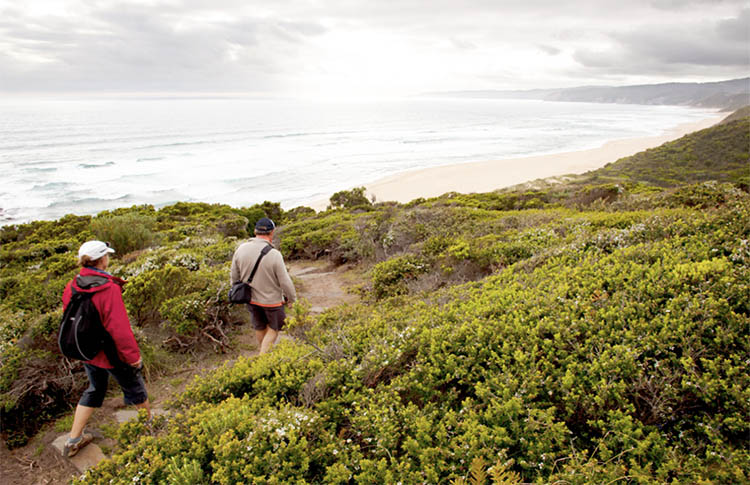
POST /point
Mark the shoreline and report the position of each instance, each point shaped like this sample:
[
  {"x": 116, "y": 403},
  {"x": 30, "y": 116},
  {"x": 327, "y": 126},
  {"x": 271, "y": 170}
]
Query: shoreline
[{"x": 490, "y": 175}]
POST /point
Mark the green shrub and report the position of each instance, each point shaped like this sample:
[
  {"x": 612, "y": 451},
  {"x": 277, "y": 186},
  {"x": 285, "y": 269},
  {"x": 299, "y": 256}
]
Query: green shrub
[
  {"x": 390, "y": 277},
  {"x": 280, "y": 374},
  {"x": 606, "y": 193},
  {"x": 185, "y": 210},
  {"x": 233, "y": 226},
  {"x": 243, "y": 443},
  {"x": 184, "y": 313},
  {"x": 702, "y": 196},
  {"x": 272, "y": 210},
  {"x": 145, "y": 293},
  {"x": 35, "y": 291},
  {"x": 317, "y": 237},
  {"x": 125, "y": 233},
  {"x": 347, "y": 199},
  {"x": 298, "y": 213}
]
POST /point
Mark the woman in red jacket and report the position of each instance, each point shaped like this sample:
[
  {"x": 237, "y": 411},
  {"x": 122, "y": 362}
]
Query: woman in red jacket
[{"x": 93, "y": 256}]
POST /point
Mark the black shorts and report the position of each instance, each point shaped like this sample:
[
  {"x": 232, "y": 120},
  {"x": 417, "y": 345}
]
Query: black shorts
[
  {"x": 130, "y": 381},
  {"x": 267, "y": 317}
]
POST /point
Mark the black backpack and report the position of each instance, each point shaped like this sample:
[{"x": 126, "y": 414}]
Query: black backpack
[{"x": 82, "y": 335}]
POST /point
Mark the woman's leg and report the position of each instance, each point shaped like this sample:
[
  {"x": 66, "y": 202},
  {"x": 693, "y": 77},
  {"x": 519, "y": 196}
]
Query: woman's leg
[
  {"x": 91, "y": 399},
  {"x": 83, "y": 413},
  {"x": 145, "y": 405},
  {"x": 133, "y": 387}
]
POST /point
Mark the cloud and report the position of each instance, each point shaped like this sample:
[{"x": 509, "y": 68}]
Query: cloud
[
  {"x": 736, "y": 29},
  {"x": 125, "y": 47},
  {"x": 551, "y": 50},
  {"x": 463, "y": 44},
  {"x": 672, "y": 5},
  {"x": 288, "y": 45},
  {"x": 673, "y": 49}
]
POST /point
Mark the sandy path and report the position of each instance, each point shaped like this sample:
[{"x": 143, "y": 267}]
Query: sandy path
[{"x": 322, "y": 286}]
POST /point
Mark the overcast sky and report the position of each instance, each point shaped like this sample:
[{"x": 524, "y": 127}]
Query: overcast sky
[{"x": 365, "y": 47}]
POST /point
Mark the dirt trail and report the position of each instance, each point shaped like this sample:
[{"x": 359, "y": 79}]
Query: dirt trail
[
  {"x": 39, "y": 463},
  {"x": 321, "y": 285}
]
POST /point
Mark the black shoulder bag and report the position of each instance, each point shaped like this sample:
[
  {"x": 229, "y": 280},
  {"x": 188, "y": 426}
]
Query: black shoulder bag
[{"x": 240, "y": 291}]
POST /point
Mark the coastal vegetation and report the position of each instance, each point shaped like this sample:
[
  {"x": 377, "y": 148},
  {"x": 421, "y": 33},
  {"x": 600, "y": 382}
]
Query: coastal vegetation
[{"x": 593, "y": 331}]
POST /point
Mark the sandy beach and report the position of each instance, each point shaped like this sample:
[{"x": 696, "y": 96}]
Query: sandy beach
[{"x": 491, "y": 175}]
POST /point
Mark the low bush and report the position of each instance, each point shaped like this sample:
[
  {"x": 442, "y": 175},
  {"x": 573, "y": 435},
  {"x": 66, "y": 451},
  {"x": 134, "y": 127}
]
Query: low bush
[
  {"x": 145, "y": 293},
  {"x": 246, "y": 442},
  {"x": 278, "y": 375},
  {"x": 318, "y": 237},
  {"x": 348, "y": 199},
  {"x": 126, "y": 232},
  {"x": 606, "y": 193},
  {"x": 390, "y": 277},
  {"x": 298, "y": 213}
]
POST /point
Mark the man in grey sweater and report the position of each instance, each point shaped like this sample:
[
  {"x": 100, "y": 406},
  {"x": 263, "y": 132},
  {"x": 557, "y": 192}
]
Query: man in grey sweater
[{"x": 272, "y": 287}]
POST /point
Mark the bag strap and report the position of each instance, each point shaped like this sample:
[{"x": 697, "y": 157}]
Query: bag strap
[{"x": 263, "y": 252}]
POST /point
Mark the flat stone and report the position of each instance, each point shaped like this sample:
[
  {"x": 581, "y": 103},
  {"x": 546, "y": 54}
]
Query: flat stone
[
  {"x": 125, "y": 415},
  {"x": 312, "y": 272},
  {"x": 313, "y": 276},
  {"x": 305, "y": 271},
  {"x": 89, "y": 456},
  {"x": 59, "y": 443}
]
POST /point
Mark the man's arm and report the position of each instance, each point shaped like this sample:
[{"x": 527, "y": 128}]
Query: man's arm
[
  {"x": 234, "y": 273},
  {"x": 287, "y": 287}
]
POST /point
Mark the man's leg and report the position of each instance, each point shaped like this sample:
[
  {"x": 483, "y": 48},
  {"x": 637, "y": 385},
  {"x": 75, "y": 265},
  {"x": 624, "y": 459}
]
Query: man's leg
[
  {"x": 260, "y": 323},
  {"x": 275, "y": 318},
  {"x": 268, "y": 340},
  {"x": 259, "y": 336}
]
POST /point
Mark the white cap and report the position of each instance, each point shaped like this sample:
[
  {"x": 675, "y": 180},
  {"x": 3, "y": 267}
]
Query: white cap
[{"x": 94, "y": 249}]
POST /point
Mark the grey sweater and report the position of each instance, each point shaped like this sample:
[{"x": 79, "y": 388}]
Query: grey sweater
[{"x": 271, "y": 282}]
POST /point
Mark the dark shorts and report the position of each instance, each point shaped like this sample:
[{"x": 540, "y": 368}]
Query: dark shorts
[
  {"x": 129, "y": 379},
  {"x": 267, "y": 317}
]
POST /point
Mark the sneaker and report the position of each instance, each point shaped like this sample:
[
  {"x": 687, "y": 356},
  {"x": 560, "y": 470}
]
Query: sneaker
[{"x": 71, "y": 449}]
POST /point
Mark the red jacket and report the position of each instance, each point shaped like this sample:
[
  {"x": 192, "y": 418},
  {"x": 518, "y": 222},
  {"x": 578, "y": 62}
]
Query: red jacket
[{"x": 107, "y": 298}]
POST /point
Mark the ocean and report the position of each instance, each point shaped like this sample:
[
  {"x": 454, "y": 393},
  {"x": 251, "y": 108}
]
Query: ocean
[{"x": 82, "y": 156}]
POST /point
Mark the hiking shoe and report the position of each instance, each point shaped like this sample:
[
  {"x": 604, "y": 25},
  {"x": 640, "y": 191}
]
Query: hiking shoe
[{"x": 71, "y": 449}]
